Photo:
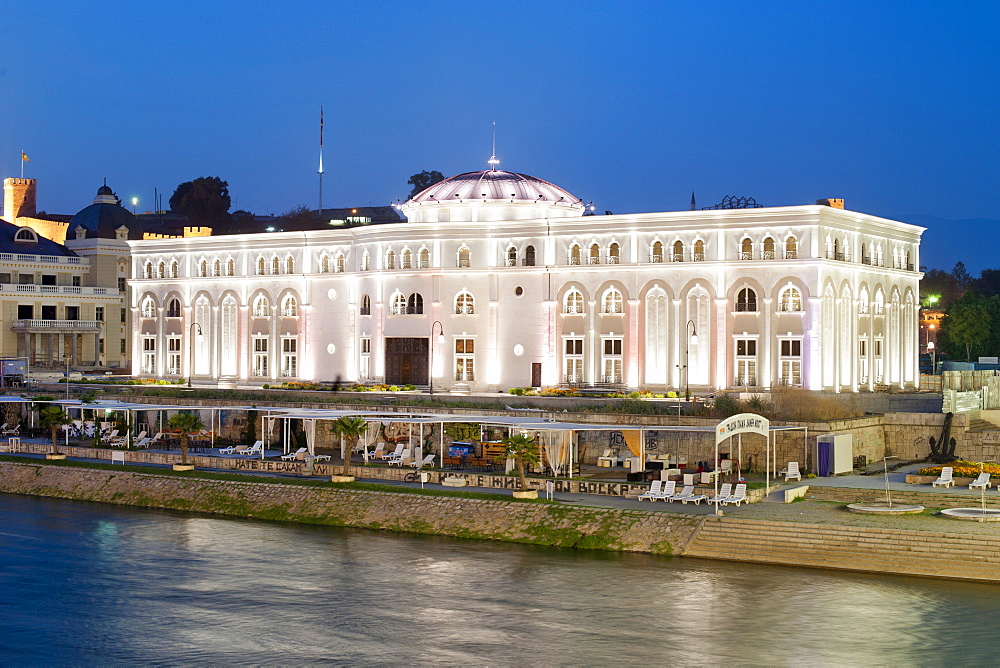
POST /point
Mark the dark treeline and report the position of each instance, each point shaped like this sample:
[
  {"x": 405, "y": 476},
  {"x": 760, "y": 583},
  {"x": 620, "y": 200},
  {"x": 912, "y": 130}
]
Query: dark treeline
[{"x": 972, "y": 328}]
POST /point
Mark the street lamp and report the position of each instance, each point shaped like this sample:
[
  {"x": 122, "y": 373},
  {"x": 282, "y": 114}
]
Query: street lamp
[
  {"x": 191, "y": 361},
  {"x": 135, "y": 201},
  {"x": 692, "y": 339},
  {"x": 430, "y": 373},
  {"x": 930, "y": 347}
]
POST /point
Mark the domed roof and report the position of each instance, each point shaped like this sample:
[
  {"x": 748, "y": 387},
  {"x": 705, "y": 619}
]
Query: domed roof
[
  {"x": 494, "y": 184},
  {"x": 491, "y": 195},
  {"x": 103, "y": 218}
]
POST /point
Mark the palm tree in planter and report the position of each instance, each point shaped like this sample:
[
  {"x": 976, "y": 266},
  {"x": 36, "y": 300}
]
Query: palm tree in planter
[
  {"x": 52, "y": 417},
  {"x": 350, "y": 429},
  {"x": 185, "y": 423},
  {"x": 524, "y": 451}
]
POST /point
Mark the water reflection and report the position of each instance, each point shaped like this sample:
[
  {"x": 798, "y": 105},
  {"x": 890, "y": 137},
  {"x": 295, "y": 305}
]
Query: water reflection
[{"x": 95, "y": 584}]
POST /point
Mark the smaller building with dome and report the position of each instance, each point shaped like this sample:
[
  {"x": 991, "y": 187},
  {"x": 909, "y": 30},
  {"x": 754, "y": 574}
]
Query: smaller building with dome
[{"x": 106, "y": 218}]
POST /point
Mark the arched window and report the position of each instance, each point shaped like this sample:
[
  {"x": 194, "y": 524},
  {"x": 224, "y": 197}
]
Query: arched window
[
  {"x": 768, "y": 249},
  {"x": 678, "y": 252},
  {"x": 275, "y": 265},
  {"x": 390, "y": 259},
  {"x": 230, "y": 267},
  {"x": 863, "y": 301},
  {"x": 173, "y": 269},
  {"x": 573, "y": 302},
  {"x": 746, "y": 300},
  {"x": 289, "y": 307},
  {"x": 791, "y": 248},
  {"x": 366, "y": 261},
  {"x": 261, "y": 266},
  {"x": 699, "y": 251},
  {"x": 864, "y": 254},
  {"x": 398, "y": 304},
  {"x": 790, "y": 300},
  {"x": 27, "y": 235},
  {"x": 614, "y": 253},
  {"x": 324, "y": 264},
  {"x": 512, "y": 257},
  {"x": 414, "y": 304},
  {"x": 407, "y": 259},
  {"x": 261, "y": 307},
  {"x": 217, "y": 268},
  {"x": 464, "y": 257},
  {"x": 746, "y": 249},
  {"x": 148, "y": 308},
  {"x": 656, "y": 255},
  {"x": 909, "y": 262},
  {"x": 574, "y": 254},
  {"x": 529, "y": 256},
  {"x": 595, "y": 254},
  {"x": 837, "y": 255},
  {"x": 203, "y": 268},
  {"x": 613, "y": 301},
  {"x": 173, "y": 309},
  {"x": 366, "y": 305},
  {"x": 425, "y": 258},
  {"x": 465, "y": 304},
  {"x": 879, "y": 303},
  {"x": 161, "y": 270},
  {"x": 147, "y": 270},
  {"x": 289, "y": 265},
  {"x": 340, "y": 264}
]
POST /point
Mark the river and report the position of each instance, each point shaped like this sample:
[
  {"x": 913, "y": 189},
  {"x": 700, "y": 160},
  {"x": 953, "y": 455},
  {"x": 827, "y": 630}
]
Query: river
[{"x": 90, "y": 584}]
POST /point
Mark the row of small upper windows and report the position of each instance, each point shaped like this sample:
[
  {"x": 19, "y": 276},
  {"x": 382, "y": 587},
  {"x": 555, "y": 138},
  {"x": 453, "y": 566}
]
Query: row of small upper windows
[
  {"x": 261, "y": 307},
  {"x": 790, "y": 299},
  {"x": 464, "y": 304},
  {"x": 871, "y": 254}
]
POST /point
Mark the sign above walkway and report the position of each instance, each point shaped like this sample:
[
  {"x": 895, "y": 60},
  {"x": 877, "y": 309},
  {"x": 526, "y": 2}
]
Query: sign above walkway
[{"x": 742, "y": 423}]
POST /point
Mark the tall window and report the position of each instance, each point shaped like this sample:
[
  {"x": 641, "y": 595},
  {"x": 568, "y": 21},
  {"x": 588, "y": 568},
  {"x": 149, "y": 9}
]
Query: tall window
[
  {"x": 574, "y": 254},
  {"x": 341, "y": 263},
  {"x": 261, "y": 266},
  {"x": 203, "y": 268},
  {"x": 611, "y": 360},
  {"x": 174, "y": 355},
  {"x": 746, "y": 300},
  {"x": 398, "y": 304},
  {"x": 595, "y": 254},
  {"x": 573, "y": 302},
  {"x": 511, "y": 257},
  {"x": 147, "y": 270},
  {"x": 365, "y": 366},
  {"x": 790, "y": 300},
  {"x": 614, "y": 254},
  {"x": 425, "y": 258},
  {"x": 275, "y": 265},
  {"x": 407, "y": 259},
  {"x": 656, "y": 255},
  {"x": 390, "y": 259},
  {"x": 366, "y": 261},
  {"x": 260, "y": 358},
  {"x": 863, "y": 361},
  {"x": 878, "y": 362},
  {"x": 366, "y": 305},
  {"x": 863, "y": 302},
  {"x": 161, "y": 270},
  {"x": 465, "y": 304},
  {"x": 289, "y": 307},
  {"x": 149, "y": 354},
  {"x": 699, "y": 251},
  {"x": 768, "y": 253},
  {"x": 217, "y": 268},
  {"x": 173, "y": 269},
  {"x": 790, "y": 362},
  {"x": 324, "y": 264},
  {"x": 529, "y": 256},
  {"x": 230, "y": 267},
  {"x": 414, "y": 304},
  {"x": 465, "y": 360},
  {"x": 289, "y": 358},
  {"x": 791, "y": 248},
  {"x": 173, "y": 309},
  {"x": 573, "y": 361},
  {"x": 746, "y": 362},
  {"x": 746, "y": 249},
  {"x": 613, "y": 301},
  {"x": 261, "y": 307},
  {"x": 289, "y": 265},
  {"x": 148, "y": 308},
  {"x": 678, "y": 252},
  {"x": 464, "y": 257}
]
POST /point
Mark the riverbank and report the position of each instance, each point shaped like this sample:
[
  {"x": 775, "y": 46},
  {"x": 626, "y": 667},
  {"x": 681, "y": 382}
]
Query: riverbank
[{"x": 812, "y": 543}]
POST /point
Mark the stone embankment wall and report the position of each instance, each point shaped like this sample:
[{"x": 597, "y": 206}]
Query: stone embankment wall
[{"x": 518, "y": 522}]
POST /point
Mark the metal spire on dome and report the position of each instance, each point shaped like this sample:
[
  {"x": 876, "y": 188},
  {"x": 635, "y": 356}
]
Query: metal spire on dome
[{"x": 493, "y": 161}]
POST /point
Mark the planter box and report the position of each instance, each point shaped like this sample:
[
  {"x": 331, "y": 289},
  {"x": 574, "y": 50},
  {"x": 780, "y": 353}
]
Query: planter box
[
  {"x": 526, "y": 494},
  {"x": 928, "y": 479},
  {"x": 184, "y": 467},
  {"x": 342, "y": 478},
  {"x": 454, "y": 481},
  {"x": 51, "y": 456}
]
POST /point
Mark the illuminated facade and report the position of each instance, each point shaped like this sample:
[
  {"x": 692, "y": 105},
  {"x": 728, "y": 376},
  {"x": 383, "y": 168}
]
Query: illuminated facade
[{"x": 530, "y": 291}]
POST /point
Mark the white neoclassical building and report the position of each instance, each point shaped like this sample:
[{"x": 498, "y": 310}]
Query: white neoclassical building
[{"x": 500, "y": 280}]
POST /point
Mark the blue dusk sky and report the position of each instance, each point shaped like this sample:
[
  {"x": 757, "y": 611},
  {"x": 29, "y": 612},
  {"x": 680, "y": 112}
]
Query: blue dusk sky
[{"x": 632, "y": 105}]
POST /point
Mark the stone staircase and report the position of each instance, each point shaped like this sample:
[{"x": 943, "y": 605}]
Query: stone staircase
[
  {"x": 905, "y": 552},
  {"x": 977, "y": 424}
]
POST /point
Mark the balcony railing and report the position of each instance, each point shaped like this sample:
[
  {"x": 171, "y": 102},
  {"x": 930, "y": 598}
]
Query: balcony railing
[
  {"x": 789, "y": 306},
  {"x": 510, "y": 262},
  {"x": 465, "y": 376},
  {"x": 39, "y": 259},
  {"x": 56, "y": 325},
  {"x": 746, "y": 255},
  {"x": 746, "y": 307},
  {"x": 463, "y": 262},
  {"x": 745, "y": 381},
  {"x": 574, "y": 260},
  {"x": 697, "y": 257},
  {"x": 767, "y": 255},
  {"x": 57, "y": 289},
  {"x": 594, "y": 259},
  {"x": 528, "y": 262},
  {"x": 791, "y": 255},
  {"x": 614, "y": 259},
  {"x": 656, "y": 259}
]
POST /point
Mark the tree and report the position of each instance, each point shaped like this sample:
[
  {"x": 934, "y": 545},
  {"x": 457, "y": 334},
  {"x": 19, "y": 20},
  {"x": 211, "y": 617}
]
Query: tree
[
  {"x": 350, "y": 429},
  {"x": 988, "y": 283},
  {"x": 938, "y": 289},
  {"x": 963, "y": 280},
  {"x": 968, "y": 324},
  {"x": 524, "y": 451},
  {"x": 298, "y": 218},
  {"x": 185, "y": 423},
  {"x": 424, "y": 180},
  {"x": 52, "y": 417},
  {"x": 204, "y": 201}
]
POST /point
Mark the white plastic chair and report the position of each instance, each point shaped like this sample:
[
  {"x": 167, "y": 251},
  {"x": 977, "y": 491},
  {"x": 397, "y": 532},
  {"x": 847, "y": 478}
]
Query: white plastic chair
[
  {"x": 945, "y": 480},
  {"x": 982, "y": 482},
  {"x": 724, "y": 493},
  {"x": 654, "y": 491},
  {"x": 791, "y": 472},
  {"x": 738, "y": 496}
]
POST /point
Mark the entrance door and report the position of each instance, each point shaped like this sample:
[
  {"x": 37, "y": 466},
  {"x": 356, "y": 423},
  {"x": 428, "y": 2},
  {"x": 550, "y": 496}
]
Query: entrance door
[
  {"x": 536, "y": 374},
  {"x": 406, "y": 361}
]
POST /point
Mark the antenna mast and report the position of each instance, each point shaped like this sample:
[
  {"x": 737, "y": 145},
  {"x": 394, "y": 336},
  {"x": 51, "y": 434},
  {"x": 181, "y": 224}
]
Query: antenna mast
[{"x": 493, "y": 162}]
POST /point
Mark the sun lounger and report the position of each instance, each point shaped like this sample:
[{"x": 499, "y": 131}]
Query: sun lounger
[
  {"x": 295, "y": 455},
  {"x": 668, "y": 489},
  {"x": 724, "y": 493},
  {"x": 738, "y": 496},
  {"x": 256, "y": 449},
  {"x": 393, "y": 455},
  {"x": 230, "y": 449},
  {"x": 653, "y": 493},
  {"x": 428, "y": 461},
  {"x": 945, "y": 480},
  {"x": 982, "y": 482},
  {"x": 686, "y": 492},
  {"x": 692, "y": 497},
  {"x": 791, "y": 472},
  {"x": 322, "y": 458}
]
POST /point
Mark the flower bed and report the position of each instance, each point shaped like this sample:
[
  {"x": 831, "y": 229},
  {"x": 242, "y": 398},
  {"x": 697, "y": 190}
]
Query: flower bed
[{"x": 963, "y": 469}]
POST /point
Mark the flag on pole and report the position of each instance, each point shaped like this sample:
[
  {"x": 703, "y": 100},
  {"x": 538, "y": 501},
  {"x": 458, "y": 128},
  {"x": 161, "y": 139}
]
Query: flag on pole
[
  {"x": 321, "y": 126},
  {"x": 24, "y": 157}
]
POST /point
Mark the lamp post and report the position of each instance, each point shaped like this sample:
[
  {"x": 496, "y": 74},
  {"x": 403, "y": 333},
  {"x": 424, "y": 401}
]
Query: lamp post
[
  {"x": 191, "y": 361},
  {"x": 930, "y": 347},
  {"x": 692, "y": 339},
  {"x": 135, "y": 201},
  {"x": 430, "y": 372}
]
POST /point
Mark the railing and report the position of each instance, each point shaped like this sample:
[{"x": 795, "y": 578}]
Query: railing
[
  {"x": 573, "y": 308},
  {"x": 463, "y": 262},
  {"x": 612, "y": 308},
  {"x": 744, "y": 255},
  {"x": 866, "y": 259},
  {"x": 510, "y": 262},
  {"x": 793, "y": 381},
  {"x": 465, "y": 376},
  {"x": 405, "y": 264},
  {"x": 57, "y": 289},
  {"x": 791, "y": 255},
  {"x": 573, "y": 378},
  {"x": 863, "y": 309},
  {"x": 862, "y": 380},
  {"x": 574, "y": 260},
  {"x": 677, "y": 257},
  {"x": 594, "y": 259},
  {"x": 614, "y": 259},
  {"x": 50, "y": 325},
  {"x": 746, "y": 307},
  {"x": 656, "y": 259},
  {"x": 697, "y": 257},
  {"x": 879, "y": 309},
  {"x": 467, "y": 309},
  {"x": 767, "y": 255},
  {"x": 47, "y": 259},
  {"x": 528, "y": 262},
  {"x": 745, "y": 381},
  {"x": 788, "y": 307}
]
